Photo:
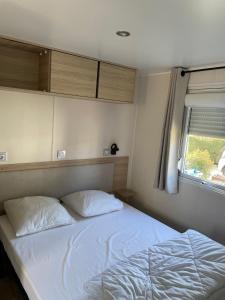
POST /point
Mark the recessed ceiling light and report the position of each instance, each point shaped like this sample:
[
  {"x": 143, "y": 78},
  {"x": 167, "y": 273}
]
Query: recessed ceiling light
[{"x": 123, "y": 33}]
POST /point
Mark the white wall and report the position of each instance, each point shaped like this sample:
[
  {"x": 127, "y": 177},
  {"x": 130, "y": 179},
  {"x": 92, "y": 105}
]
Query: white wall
[
  {"x": 84, "y": 128},
  {"x": 195, "y": 206},
  {"x": 33, "y": 127},
  {"x": 26, "y": 126}
]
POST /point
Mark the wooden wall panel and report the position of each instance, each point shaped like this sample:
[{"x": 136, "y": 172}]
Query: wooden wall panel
[
  {"x": 119, "y": 176},
  {"x": 19, "y": 68},
  {"x": 116, "y": 83},
  {"x": 71, "y": 74}
]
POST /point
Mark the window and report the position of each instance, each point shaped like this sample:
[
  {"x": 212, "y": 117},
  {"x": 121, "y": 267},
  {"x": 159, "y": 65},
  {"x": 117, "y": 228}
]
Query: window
[{"x": 204, "y": 145}]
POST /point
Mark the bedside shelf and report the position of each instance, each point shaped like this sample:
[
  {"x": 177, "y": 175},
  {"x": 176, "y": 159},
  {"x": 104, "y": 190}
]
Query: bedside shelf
[{"x": 125, "y": 195}]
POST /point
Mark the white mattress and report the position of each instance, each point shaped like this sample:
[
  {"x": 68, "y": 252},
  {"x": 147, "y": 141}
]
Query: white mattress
[{"x": 55, "y": 264}]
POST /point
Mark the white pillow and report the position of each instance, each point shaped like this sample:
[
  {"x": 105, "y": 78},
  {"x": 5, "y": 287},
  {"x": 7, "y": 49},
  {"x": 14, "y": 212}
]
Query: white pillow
[
  {"x": 92, "y": 203},
  {"x": 34, "y": 214}
]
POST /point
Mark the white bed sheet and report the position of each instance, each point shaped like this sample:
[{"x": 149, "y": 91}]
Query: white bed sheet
[{"x": 55, "y": 264}]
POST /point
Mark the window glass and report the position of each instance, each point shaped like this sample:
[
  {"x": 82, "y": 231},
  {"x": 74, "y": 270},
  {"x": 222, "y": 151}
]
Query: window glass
[
  {"x": 204, "y": 149},
  {"x": 205, "y": 158}
]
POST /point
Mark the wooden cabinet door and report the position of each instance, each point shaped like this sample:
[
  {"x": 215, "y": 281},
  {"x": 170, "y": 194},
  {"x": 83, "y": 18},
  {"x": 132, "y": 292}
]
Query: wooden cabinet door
[
  {"x": 73, "y": 75},
  {"x": 116, "y": 83}
]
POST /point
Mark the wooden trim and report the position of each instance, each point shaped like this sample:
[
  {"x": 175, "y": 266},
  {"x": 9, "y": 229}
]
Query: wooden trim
[
  {"x": 62, "y": 163},
  {"x": 60, "y": 50}
]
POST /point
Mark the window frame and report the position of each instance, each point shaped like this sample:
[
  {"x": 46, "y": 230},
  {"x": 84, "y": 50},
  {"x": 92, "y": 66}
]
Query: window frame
[{"x": 181, "y": 163}]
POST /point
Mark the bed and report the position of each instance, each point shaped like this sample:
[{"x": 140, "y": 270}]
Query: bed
[
  {"x": 111, "y": 253},
  {"x": 56, "y": 264}
]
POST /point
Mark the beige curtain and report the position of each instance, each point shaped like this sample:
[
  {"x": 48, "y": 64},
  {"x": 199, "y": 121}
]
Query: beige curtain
[{"x": 167, "y": 169}]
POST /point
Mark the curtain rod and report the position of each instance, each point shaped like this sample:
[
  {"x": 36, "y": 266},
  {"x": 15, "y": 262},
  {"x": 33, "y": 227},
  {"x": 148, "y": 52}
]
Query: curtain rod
[{"x": 200, "y": 70}]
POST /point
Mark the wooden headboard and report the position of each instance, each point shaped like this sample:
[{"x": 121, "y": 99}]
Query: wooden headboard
[{"x": 58, "y": 178}]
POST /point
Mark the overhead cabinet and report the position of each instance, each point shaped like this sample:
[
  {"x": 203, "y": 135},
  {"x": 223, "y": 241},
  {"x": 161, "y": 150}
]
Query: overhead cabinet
[
  {"x": 116, "y": 83},
  {"x": 23, "y": 65},
  {"x": 37, "y": 68},
  {"x": 73, "y": 75}
]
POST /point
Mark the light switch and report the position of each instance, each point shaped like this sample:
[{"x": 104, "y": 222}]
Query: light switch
[
  {"x": 3, "y": 156},
  {"x": 61, "y": 154}
]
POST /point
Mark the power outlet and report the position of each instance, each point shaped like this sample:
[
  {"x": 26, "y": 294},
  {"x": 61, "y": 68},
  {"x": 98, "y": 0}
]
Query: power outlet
[
  {"x": 3, "y": 156},
  {"x": 106, "y": 152},
  {"x": 61, "y": 154}
]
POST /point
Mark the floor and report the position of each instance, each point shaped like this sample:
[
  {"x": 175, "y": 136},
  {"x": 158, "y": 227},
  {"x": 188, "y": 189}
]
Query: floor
[
  {"x": 10, "y": 286},
  {"x": 9, "y": 289}
]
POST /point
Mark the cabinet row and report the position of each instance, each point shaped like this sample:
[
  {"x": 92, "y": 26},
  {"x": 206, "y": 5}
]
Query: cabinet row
[{"x": 30, "y": 67}]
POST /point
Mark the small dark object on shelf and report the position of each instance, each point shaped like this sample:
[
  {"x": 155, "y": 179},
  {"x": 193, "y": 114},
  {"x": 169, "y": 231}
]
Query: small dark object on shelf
[{"x": 114, "y": 149}]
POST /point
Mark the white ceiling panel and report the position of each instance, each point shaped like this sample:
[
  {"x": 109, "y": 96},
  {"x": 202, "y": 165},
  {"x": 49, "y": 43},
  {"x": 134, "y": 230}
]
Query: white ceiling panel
[{"x": 164, "y": 33}]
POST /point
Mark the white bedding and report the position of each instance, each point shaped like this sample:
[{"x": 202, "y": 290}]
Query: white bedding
[
  {"x": 189, "y": 267},
  {"x": 55, "y": 264}
]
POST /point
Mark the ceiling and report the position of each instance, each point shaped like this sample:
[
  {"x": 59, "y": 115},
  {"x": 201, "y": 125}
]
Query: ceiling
[{"x": 164, "y": 33}]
